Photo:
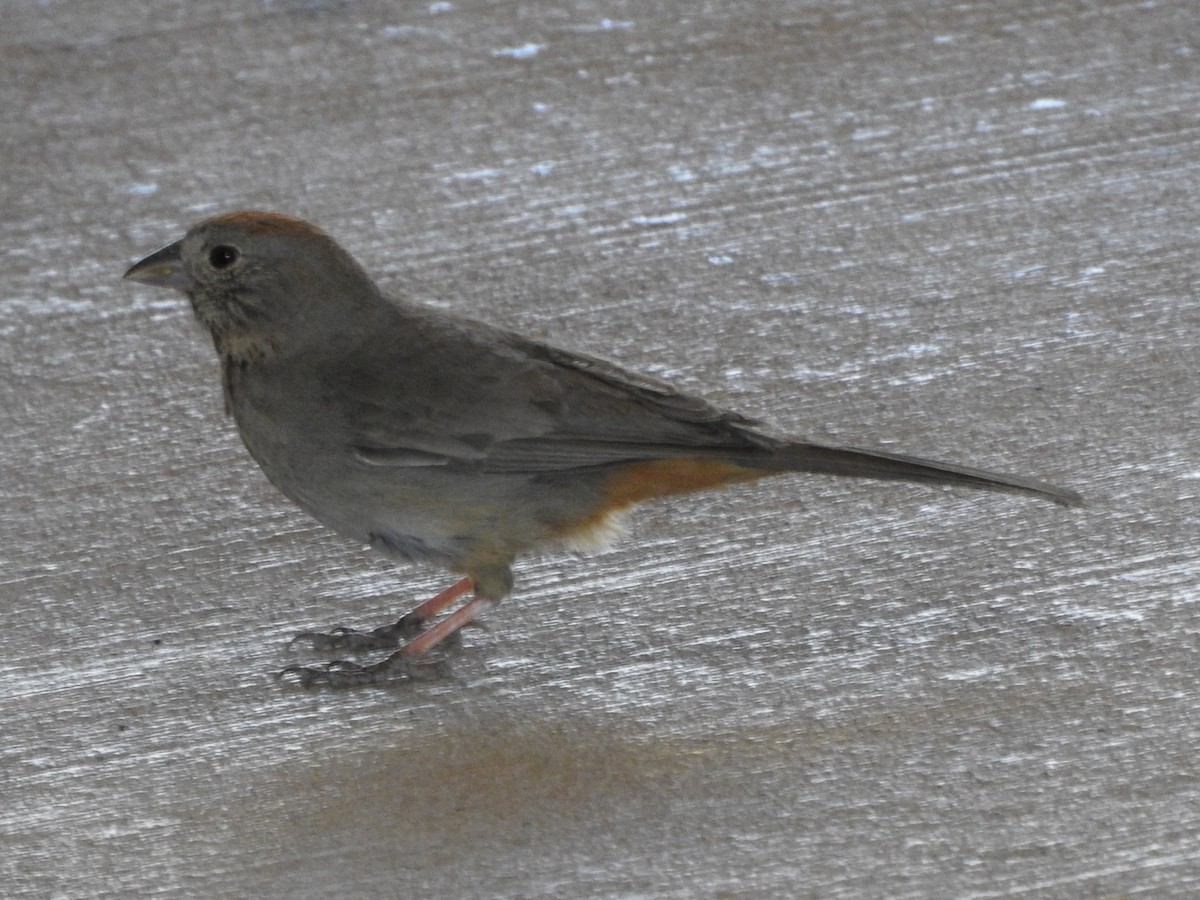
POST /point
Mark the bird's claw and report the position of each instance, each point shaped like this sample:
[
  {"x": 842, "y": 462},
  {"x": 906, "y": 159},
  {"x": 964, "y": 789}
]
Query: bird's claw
[
  {"x": 341, "y": 673},
  {"x": 338, "y": 674},
  {"x": 342, "y": 638}
]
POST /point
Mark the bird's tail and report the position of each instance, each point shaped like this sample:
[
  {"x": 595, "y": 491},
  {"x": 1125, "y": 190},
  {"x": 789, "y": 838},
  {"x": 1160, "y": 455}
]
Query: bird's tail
[{"x": 801, "y": 456}]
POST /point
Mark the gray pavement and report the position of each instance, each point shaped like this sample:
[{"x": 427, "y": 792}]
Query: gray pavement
[{"x": 964, "y": 230}]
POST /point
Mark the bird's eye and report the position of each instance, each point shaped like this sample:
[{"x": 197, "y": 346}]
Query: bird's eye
[{"x": 222, "y": 256}]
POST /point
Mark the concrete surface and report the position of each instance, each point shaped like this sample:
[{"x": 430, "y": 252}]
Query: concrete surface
[{"x": 967, "y": 230}]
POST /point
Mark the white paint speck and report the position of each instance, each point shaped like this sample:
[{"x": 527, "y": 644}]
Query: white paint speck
[
  {"x": 870, "y": 134},
  {"x": 720, "y": 259},
  {"x": 604, "y": 25},
  {"x": 143, "y": 188},
  {"x": 525, "y": 51},
  {"x": 402, "y": 32},
  {"x": 658, "y": 220},
  {"x": 681, "y": 173},
  {"x": 916, "y": 351},
  {"x": 1047, "y": 103},
  {"x": 475, "y": 175},
  {"x": 544, "y": 168},
  {"x": 437, "y": 8},
  {"x": 99, "y": 416},
  {"x": 1018, "y": 274}
]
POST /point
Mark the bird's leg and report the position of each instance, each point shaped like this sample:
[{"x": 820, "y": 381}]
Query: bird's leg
[
  {"x": 446, "y": 628},
  {"x": 425, "y": 611},
  {"x": 406, "y": 660},
  {"x": 385, "y": 637}
]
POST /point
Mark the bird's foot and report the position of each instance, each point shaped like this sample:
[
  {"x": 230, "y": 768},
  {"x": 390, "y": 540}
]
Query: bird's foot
[
  {"x": 385, "y": 637},
  {"x": 415, "y": 642},
  {"x": 341, "y": 638},
  {"x": 342, "y": 673}
]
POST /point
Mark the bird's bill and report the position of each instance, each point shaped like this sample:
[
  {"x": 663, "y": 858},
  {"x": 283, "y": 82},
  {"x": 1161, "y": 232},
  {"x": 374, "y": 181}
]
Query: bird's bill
[{"x": 162, "y": 268}]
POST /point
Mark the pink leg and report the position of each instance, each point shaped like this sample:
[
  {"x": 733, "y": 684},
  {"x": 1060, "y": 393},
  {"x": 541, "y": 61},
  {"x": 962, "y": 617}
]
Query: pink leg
[
  {"x": 438, "y": 602},
  {"x": 435, "y": 634}
]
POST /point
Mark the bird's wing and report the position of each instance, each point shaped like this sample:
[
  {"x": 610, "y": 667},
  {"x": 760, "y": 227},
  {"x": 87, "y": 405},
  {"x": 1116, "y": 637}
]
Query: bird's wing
[{"x": 509, "y": 404}]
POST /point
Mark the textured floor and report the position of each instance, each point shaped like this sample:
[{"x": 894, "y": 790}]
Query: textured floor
[{"x": 964, "y": 230}]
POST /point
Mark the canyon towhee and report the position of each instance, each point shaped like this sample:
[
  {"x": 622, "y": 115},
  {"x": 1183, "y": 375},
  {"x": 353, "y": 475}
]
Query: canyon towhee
[{"x": 438, "y": 438}]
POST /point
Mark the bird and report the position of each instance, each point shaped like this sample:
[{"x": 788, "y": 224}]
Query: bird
[{"x": 437, "y": 438}]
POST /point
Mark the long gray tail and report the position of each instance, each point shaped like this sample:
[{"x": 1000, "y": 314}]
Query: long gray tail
[{"x": 856, "y": 463}]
